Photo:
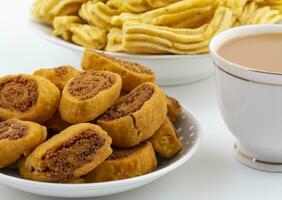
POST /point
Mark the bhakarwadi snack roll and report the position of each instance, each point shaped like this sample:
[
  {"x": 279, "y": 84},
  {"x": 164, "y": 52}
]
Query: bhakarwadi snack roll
[
  {"x": 165, "y": 140},
  {"x": 145, "y": 38},
  {"x": 47, "y": 10},
  {"x": 19, "y": 138},
  {"x": 88, "y": 36},
  {"x": 174, "y": 109},
  {"x": 136, "y": 116},
  {"x": 56, "y": 123},
  {"x": 97, "y": 14},
  {"x": 132, "y": 74},
  {"x": 70, "y": 154},
  {"x": 141, "y": 6},
  {"x": 58, "y": 75},
  {"x": 62, "y": 25},
  {"x": 28, "y": 97},
  {"x": 125, "y": 163},
  {"x": 88, "y": 95}
]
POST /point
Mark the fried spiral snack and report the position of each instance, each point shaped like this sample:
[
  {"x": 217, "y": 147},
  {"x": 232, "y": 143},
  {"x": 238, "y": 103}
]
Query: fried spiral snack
[
  {"x": 125, "y": 163},
  {"x": 132, "y": 74},
  {"x": 70, "y": 154},
  {"x": 140, "y": 6},
  {"x": 165, "y": 140},
  {"x": 88, "y": 36},
  {"x": 62, "y": 25},
  {"x": 97, "y": 14},
  {"x": 88, "y": 95},
  {"x": 173, "y": 108},
  {"x": 114, "y": 43},
  {"x": 47, "y": 10},
  {"x": 253, "y": 14},
  {"x": 19, "y": 138},
  {"x": 28, "y": 97},
  {"x": 174, "y": 15},
  {"x": 136, "y": 116},
  {"x": 144, "y": 38},
  {"x": 56, "y": 123},
  {"x": 58, "y": 75}
]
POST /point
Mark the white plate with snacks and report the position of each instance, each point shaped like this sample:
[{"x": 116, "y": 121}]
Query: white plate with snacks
[
  {"x": 170, "y": 69},
  {"x": 189, "y": 132}
]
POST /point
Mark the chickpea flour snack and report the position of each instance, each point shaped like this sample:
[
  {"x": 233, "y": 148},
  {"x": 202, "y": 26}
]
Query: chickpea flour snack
[{"x": 173, "y": 108}]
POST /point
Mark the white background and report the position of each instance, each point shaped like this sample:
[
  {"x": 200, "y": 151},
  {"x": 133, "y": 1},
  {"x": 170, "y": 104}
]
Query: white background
[{"x": 211, "y": 174}]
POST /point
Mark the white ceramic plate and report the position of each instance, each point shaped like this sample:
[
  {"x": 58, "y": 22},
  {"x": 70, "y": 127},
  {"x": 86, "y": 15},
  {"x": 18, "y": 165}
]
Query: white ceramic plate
[
  {"x": 189, "y": 132},
  {"x": 170, "y": 69}
]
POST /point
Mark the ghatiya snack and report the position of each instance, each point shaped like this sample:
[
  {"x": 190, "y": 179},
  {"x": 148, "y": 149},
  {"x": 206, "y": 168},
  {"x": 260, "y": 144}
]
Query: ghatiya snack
[
  {"x": 88, "y": 95},
  {"x": 58, "y": 75},
  {"x": 136, "y": 116},
  {"x": 28, "y": 97},
  {"x": 165, "y": 140},
  {"x": 132, "y": 74},
  {"x": 125, "y": 163},
  {"x": 19, "y": 138},
  {"x": 70, "y": 154}
]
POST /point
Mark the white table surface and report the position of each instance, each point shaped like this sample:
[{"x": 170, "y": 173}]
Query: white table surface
[{"x": 211, "y": 174}]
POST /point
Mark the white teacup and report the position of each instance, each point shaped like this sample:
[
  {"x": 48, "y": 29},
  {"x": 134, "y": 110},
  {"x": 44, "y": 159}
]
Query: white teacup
[{"x": 251, "y": 103}]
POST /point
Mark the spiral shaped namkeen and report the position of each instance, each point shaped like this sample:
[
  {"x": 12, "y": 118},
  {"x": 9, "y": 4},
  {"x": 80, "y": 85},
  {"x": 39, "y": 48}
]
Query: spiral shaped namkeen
[
  {"x": 19, "y": 138},
  {"x": 144, "y": 38},
  {"x": 136, "y": 116},
  {"x": 62, "y": 25},
  {"x": 97, "y": 14},
  {"x": 70, "y": 154},
  {"x": 125, "y": 163},
  {"x": 174, "y": 15},
  {"x": 139, "y": 6},
  {"x": 174, "y": 109},
  {"x": 165, "y": 140},
  {"x": 132, "y": 74},
  {"x": 47, "y": 10},
  {"x": 28, "y": 97},
  {"x": 58, "y": 75},
  {"x": 56, "y": 123},
  {"x": 88, "y": 36},
  {"x": 88, "y": 95}
]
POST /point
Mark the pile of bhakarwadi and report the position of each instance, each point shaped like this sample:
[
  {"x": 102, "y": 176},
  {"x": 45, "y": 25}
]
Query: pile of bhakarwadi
[
  {"x": 151, "y": 26},
  {"x": 104, "y": 123}
]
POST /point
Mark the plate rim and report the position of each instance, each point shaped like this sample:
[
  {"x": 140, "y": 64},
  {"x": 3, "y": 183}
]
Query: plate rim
[
  {"x": 37, "y": 26},
  {"x": 118, "y": 183}
]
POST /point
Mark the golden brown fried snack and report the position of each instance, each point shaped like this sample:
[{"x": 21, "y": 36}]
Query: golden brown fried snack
[
  {"x": 26, "y": 174},
  {"x": 62, "y": 25},
  {"x": 58, "y": 75},
  {"x": 28, "y": 97},
  {"x": 88, "y": 95},
  {"x": 165, "y": 140},
  {"x": 47, "y": 10},
  {"x": 19, "y": 138},
  {"x": 173, "y": 108},
  {"x": 125, "y": 163},
  {"x": 114, "y": 38},
  {"x": 56, "y": 123},
  {"x": 136, "y": 116},
  {"x": 132, "y": 74},
  {"x": 70, "y": 154}
]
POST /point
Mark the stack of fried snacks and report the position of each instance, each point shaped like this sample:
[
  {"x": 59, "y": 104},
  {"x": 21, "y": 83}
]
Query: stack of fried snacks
[
  {"x": 140, "y": 6},
  {"x": 156, "y": 26},
  {"x": 144, "y": 38},
  {"x": 47, "y": 10},
  {"x": 97, "y": 14}
]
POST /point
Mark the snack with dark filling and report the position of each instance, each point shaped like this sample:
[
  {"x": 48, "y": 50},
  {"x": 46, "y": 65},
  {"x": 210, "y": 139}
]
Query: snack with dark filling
[
  {"x": 56, "y": 124},
  {"x": 132, "y": 74},
  {"x": 136, "y": 116},
  {"x": 19, "y": 138},
  {"x": 28, "y": 97},
  {"x": 125, "y": 163},
  {"x": 174, "y": 108},
  {"x": 88, "y": 95},
  {"x": 165, "y": 140},
  {"x": 70, "y": 154},
  {"x": 58, "y": 75}
]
